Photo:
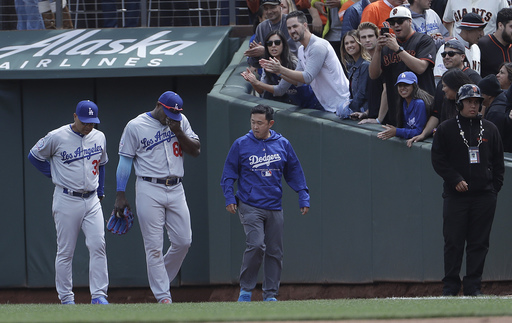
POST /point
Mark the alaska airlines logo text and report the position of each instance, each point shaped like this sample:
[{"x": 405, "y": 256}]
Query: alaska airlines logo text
[{"x": 98, "y": 51}]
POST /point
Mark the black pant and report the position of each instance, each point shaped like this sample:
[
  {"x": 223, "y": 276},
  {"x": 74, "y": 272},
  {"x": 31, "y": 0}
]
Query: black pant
[{"x": 467, "y": 218}]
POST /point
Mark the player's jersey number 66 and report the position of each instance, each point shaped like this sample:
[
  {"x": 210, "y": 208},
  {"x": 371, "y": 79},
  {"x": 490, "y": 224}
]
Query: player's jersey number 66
[{"x": 176, "y": 149}]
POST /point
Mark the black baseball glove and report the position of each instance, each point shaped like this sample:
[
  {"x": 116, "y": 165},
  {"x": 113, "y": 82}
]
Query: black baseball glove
[{"x": 120, "y": 225}]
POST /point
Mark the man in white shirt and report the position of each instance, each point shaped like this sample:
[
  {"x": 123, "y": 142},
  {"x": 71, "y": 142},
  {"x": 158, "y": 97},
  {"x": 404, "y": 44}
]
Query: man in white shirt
[
  {"x": 456, "y": 9},
  {"x": 471, "y": 30},
  {"x": 318, "y": 65}
]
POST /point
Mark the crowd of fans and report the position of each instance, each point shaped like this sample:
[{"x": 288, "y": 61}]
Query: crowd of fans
[
  {"x": 402, "y": 62},
  {"x": 349, "y": 56}
]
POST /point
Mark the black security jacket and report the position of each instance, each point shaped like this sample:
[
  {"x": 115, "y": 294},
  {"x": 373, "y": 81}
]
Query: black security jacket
[
  {"x": 497, "y": 113},
  {"x": 450, "y": 155}
]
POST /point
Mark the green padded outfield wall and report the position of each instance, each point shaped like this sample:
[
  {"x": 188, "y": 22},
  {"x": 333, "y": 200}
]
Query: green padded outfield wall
[
  {"x": 12, "y": 230},
  {"x": 42, "y": 78},
  {"x": 376, "y": 206}
]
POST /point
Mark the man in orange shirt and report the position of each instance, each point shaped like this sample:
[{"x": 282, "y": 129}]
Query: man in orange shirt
[{"x": 377, "y": 12}]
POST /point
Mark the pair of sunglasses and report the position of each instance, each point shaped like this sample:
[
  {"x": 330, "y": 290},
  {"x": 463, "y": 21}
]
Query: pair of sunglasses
[
  {"x": 399, "y": 21},
  {"x": 451, "y": 54},
  {"x": 274, "y": 42}
]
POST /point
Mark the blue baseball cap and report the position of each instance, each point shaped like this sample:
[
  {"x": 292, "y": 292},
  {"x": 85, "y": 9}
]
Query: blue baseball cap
[
  {"x": 87, "y": 112},
  {"x": 172, "y": 105},
  {"x": 407, "y": 78}
]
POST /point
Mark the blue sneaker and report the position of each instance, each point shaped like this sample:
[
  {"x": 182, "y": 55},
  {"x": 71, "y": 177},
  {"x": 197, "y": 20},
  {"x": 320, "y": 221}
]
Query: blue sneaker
[
  {"x": 99, "y": 300},
  {"x": 245, "y": 296},
  {"x": 270, "y": 299},
  {"x": 68, "y": 303}
]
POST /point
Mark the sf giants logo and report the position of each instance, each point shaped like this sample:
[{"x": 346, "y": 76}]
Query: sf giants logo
[
  {"x": 486, "y": 15},
  {"x": 393, "y": 58}
]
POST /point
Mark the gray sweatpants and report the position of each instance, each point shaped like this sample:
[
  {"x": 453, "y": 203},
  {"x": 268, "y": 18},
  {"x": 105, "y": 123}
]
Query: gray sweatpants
[{"x": 264, "y": 241}]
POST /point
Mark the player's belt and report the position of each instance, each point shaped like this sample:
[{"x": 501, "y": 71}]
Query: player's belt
[
  {"x": 169, "y": 181},
  {"x": 78, "y": 194}
]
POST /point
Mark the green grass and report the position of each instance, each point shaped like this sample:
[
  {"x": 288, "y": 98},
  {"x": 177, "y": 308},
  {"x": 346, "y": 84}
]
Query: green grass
[{"x": 389, "y": 308}]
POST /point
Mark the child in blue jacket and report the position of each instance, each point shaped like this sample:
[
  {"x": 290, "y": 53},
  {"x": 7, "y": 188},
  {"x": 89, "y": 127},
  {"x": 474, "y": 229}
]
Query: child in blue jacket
[{"x": 415, "y": 104}]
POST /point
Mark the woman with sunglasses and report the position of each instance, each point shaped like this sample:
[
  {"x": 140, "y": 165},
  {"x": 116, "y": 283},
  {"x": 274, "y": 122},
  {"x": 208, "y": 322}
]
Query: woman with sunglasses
[
  {"x": 504, "y": 75},
  {"x": 276, "y": 47},
  {"x": 355, "y": 60}
]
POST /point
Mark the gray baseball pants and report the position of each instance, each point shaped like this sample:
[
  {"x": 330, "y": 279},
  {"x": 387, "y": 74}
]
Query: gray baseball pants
[
  {"x": 159, "y": 207},
  {"x": 264, "y": 243},
  {"x": 71, "y": 214}
]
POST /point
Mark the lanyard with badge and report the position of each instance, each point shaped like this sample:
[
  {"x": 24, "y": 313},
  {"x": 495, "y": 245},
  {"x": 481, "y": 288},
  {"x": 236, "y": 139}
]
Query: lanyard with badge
[{"x": 474, "y": 152}]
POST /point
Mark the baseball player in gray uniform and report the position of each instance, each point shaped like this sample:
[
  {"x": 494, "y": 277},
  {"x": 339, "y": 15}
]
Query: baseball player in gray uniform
[
  {"x": 154, "y": 143},
  {"x": 74, "y": 156}
]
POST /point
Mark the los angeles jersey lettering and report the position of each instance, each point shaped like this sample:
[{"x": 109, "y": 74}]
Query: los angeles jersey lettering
[
  {"x": 155, "y": 144},
  {"x": 74, "y": 159}
]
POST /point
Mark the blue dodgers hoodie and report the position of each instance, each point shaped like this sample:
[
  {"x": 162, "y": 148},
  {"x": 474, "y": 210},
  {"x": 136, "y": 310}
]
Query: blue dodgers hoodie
[{"x": 259, "y": 165}]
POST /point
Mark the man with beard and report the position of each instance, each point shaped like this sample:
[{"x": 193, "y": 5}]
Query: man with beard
[
  {"x": 407, "y": 51},
  {"x": 497, "y": 46},
  {"x": 318, "y": 65},
  {"x": 272, "y": 10}
]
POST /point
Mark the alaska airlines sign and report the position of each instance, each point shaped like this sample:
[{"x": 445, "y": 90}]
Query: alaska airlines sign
[{"x": 112, "y": 52}]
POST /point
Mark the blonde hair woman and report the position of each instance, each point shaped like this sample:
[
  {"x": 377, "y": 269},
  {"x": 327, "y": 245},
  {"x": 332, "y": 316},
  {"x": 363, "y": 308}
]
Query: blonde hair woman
[{"x": 355, "y": 60}]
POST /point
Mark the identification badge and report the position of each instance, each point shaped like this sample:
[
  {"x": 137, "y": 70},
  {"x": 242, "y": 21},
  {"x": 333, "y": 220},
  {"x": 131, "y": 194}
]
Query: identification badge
[{"x": 474, "y": 155}]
